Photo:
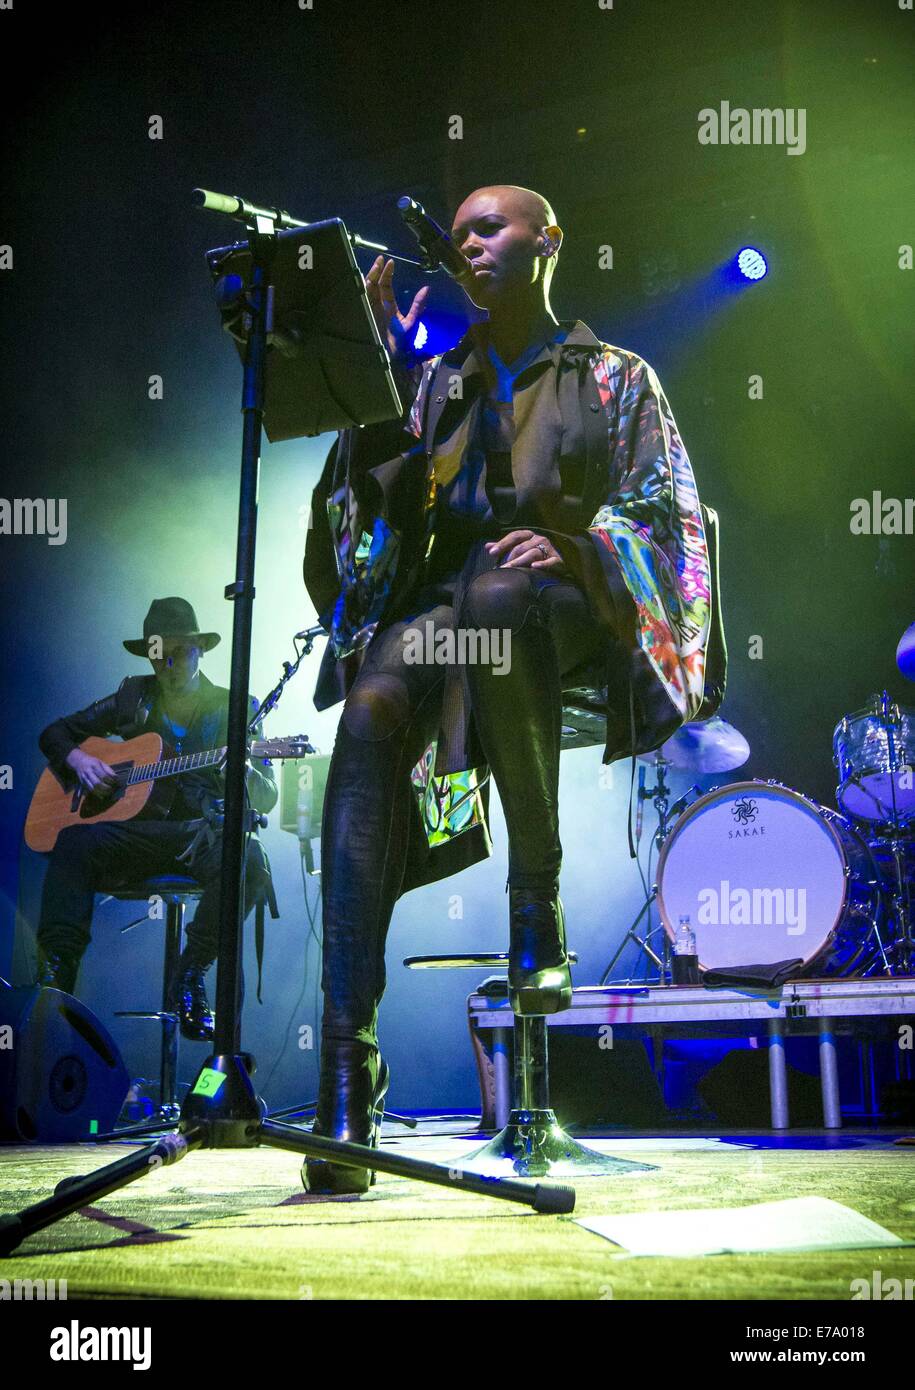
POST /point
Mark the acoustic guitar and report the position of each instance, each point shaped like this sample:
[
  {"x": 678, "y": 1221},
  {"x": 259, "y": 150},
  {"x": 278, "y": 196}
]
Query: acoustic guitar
[{"x": 142, "y": 785}]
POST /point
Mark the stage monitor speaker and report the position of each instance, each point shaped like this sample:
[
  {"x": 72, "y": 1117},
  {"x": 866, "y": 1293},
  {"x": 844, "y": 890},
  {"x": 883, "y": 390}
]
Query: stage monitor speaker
[
  {"x": 599, "y": 1088},
  {"x": 62, "y": 1078},
  {"x": 737, "y": 1092}
]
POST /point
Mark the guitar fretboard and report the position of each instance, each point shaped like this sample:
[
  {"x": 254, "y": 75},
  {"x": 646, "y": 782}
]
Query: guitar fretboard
[{"x": 170, "y": 767}]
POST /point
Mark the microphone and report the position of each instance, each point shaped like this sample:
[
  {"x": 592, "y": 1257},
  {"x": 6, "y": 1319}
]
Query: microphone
[
  {"x": 241, "y": 209},
  {"x": 435, "y": 243},
  {"x": 638, "y": 810}
]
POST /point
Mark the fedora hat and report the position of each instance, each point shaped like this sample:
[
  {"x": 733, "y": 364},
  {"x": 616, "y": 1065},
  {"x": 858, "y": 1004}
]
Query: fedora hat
[{"x": 171, "y": 618}]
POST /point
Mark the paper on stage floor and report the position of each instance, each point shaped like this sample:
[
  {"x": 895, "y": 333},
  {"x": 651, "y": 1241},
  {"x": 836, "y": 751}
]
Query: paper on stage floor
[{"x": 800, "y": 1223}]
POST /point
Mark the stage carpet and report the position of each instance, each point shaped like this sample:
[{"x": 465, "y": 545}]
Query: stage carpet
[{"x": 237, "y": 1225}]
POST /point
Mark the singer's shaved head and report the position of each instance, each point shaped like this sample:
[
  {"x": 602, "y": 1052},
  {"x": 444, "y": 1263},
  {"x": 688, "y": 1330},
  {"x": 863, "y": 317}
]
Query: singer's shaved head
[
  {"x": 521, "y": 204},
  {"x": 510, "y": 234},
  {"x": 524, "y": 203}
]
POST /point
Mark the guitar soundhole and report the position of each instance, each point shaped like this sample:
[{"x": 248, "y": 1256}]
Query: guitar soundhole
[{"x": 92, "y": 806}]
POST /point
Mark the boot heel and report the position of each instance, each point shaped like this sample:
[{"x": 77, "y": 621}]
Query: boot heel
[{"x": 384, "y": 1078}]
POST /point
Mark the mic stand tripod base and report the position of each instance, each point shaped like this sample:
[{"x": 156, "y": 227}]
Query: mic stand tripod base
[{"x": 223, "y": 1111}]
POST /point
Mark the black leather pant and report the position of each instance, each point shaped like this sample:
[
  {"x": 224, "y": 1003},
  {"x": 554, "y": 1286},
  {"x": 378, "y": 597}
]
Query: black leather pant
[{"x": 391, "y": 715}]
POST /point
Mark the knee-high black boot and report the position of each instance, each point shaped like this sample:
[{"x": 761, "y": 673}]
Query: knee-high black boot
[{"x": 518, "y": 716}]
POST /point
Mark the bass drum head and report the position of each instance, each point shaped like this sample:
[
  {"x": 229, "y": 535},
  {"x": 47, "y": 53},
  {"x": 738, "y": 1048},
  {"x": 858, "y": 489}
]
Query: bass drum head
[{"x": 766, "y": 875}]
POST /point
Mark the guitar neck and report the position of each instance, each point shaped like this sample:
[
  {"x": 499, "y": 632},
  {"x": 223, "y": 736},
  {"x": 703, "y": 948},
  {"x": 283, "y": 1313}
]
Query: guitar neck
[{"x": 171, "y": 767}]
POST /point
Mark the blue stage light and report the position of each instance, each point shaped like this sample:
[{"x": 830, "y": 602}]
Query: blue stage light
[{"x": 751, "y": 263}]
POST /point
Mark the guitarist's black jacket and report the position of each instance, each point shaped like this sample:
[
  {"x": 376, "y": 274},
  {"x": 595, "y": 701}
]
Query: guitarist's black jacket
[{"x": 134, "y": 709}]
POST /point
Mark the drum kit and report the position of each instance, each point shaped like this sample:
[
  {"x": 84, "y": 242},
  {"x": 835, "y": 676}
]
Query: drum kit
[{"x": 763, "y": 874}]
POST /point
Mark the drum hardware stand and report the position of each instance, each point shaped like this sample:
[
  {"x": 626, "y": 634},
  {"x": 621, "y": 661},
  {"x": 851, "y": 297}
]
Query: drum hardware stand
[
  {"x": 659, "y": 795},
  {"x": 222, "y": 1109},
  {"x": 894, "y": 892},
  {"x": 900, "y": 892},
  {"x": 643, "y": 942},
  {"x": 900, "y": 908},
  {"x": 875, "y": 928}
]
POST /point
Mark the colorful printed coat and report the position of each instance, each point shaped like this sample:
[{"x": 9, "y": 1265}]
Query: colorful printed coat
[{"x": 645, "y": 553}]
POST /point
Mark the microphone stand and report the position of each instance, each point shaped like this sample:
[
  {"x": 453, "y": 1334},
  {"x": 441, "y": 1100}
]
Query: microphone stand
[
  {"x": 244, "y": 211},
  {"x": 271, "y": 700},
  {"x": 222, "y": 1109}
]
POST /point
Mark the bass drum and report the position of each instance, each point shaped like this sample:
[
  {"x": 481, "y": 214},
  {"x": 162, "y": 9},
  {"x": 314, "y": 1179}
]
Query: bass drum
[{"x": 767, "y": 875}]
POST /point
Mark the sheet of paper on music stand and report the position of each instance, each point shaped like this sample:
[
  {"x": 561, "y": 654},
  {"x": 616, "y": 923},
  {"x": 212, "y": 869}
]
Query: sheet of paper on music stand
[{"x": 801, "y": 1223}]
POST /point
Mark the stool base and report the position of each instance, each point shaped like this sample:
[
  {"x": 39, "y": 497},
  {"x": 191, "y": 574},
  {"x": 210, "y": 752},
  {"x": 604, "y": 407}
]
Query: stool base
[{"x": 533, "y": 1145}]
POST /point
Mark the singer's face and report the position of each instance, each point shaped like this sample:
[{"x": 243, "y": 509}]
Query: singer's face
[{"x": 498, "y": 236}]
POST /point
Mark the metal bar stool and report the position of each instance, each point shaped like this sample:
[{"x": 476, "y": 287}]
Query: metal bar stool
[
  {"x": 533, "y": 1143},
  {"x": 175, "y": 891}
]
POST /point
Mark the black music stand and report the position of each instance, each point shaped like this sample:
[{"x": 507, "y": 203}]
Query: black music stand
[{"x": 328, "y": 370}]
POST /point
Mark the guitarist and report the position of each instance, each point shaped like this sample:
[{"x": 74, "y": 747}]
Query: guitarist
[{"x": 191, "y": 714}]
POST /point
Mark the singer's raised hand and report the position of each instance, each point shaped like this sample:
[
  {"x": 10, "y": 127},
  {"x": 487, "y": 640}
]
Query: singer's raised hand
[{"x": 394, "y": 326}]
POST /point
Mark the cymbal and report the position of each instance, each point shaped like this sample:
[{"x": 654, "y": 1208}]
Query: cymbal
[
  {"x": 905, "y": 653},
  {"x": 710, "y": 746}
]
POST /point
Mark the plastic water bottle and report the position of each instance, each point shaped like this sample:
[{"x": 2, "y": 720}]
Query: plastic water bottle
[{"x": 685, "y": 963}]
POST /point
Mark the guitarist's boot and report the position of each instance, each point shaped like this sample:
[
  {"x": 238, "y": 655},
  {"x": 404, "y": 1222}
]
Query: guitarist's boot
[
  {"x": 57, "y": 970},
  {"x": 195, "y": 1017}
]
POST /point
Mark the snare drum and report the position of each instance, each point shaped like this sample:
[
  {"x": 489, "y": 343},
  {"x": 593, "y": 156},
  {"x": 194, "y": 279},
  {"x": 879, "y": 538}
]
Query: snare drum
[
  {"x": 875, "y": 755},
  {"x": 767, "y": 875}
]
